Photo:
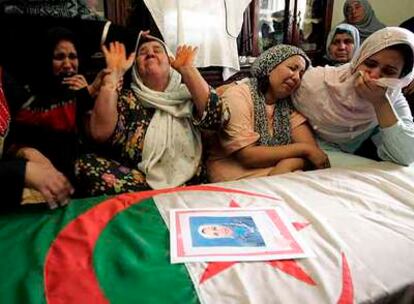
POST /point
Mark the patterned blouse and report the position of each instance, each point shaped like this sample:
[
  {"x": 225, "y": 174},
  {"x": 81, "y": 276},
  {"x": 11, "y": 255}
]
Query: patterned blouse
[{"x": 117, "y": 171}]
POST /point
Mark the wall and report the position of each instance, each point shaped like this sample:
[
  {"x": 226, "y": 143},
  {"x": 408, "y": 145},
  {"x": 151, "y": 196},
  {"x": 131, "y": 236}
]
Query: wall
[{"x": 389, "y": 12}]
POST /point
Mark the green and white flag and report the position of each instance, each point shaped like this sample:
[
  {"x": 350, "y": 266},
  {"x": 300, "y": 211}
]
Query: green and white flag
[{"x": 359, "y": 224}]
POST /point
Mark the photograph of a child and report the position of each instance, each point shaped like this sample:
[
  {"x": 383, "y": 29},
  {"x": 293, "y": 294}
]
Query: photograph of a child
[{"x": 220, "y": 231}]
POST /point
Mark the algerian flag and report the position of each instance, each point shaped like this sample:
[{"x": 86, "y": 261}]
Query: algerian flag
[
  {"x": 116, "y": 250},
  {"x": 46, "y": 256}
]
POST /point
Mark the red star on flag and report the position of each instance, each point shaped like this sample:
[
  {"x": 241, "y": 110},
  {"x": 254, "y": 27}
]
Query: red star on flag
[{"x": 290, "y": 266}]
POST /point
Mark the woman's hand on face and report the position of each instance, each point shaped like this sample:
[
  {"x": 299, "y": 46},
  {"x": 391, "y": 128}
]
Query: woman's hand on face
[
  {"x": 116, "y": 59},
  {"x": 184, "y": 57},
  {"x": 367, "y": 88},
  {"x": 75, "y": 82},
  {"x": 51, "y": 183}
]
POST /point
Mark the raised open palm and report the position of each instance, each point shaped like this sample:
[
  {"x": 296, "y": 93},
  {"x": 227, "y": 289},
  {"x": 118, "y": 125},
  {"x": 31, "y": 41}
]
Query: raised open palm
[
  {"x": 184, "y": 57},
  {"x": 116, "y": 58}
]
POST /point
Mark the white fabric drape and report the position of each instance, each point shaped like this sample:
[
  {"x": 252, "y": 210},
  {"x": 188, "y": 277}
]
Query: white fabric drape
[{"x": 212, "y": 26}]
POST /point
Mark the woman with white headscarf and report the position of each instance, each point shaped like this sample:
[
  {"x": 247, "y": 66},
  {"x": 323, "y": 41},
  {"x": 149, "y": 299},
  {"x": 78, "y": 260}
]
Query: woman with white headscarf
[
  {"x": 360, "y": 14},
  {"x": 341, "y": 44},
  {"x": 151, "y": 129},
  {"x": 362, "y": 100}
]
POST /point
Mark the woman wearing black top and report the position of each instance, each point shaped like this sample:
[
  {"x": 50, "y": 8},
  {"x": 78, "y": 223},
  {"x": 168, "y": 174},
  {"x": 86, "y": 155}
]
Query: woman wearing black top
[{"x": 15, "y": 174}]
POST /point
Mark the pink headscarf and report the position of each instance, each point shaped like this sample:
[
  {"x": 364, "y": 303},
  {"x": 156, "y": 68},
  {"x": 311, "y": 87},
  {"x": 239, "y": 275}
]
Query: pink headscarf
[{"x": 327, "y": 95}]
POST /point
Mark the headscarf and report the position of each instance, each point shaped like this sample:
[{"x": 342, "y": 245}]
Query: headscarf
[
  {"x": 327, "y": 95},
  {"x": 343, "y": 27},
  {"x": 172, "y": 145},
  {"x": 260, "y": 71},
  {"x": 272, "y": 57},
  {"x": 382, "y": 39},
  {"x": 369, "y": 24}
]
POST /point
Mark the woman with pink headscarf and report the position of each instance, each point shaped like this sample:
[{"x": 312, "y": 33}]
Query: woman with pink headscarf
[{"x": 362, "y": 100}]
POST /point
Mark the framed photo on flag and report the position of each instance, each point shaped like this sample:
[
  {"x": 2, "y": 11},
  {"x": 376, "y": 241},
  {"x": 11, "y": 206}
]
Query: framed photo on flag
[{"x": 233, "y": 234}]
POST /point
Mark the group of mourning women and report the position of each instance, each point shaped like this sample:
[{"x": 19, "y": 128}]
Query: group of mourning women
[{"x": 167, "y": 127}]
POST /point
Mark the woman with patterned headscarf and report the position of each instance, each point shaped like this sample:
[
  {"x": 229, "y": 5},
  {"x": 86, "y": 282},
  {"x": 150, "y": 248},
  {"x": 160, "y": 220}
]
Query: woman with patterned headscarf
[
  {"x": 265, "y": 135},
  {"x": 360, "y": 14},
  {"x": 361, "y": 102}
]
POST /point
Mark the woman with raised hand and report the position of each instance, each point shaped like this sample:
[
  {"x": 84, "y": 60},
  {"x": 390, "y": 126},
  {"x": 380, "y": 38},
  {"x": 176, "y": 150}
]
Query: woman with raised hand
[{"x": 151, "y": 129}]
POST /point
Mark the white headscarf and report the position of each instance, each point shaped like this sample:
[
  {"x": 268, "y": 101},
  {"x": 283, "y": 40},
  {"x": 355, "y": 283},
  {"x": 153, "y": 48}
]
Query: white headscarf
[
  {"x": 327, "y": 95},
  {"x": 172, "y": 145},
  {"x": 350, "y": 29}
]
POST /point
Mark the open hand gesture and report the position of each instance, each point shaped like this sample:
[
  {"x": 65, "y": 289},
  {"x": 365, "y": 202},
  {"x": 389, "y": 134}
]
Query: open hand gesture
[
  {"x": 184, "y": 57},
  {"x": 116, "y": 59}
]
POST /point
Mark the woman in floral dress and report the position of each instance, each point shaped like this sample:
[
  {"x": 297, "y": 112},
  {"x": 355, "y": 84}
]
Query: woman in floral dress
[{"x": 150, "y": 132}]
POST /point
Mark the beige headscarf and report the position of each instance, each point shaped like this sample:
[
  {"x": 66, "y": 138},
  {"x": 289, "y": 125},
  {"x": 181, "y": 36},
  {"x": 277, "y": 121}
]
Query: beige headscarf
[
  {"x": 172, "y": 145},
  {"x": 327, "y": 95}
]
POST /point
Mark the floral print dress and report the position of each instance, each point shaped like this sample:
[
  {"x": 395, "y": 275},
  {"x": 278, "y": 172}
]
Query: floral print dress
[{"x": 116, "y": 170}]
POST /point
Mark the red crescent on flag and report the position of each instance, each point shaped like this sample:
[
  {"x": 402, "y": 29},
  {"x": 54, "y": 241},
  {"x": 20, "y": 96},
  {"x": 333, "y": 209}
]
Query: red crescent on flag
[{"x": 69, "y": 273}]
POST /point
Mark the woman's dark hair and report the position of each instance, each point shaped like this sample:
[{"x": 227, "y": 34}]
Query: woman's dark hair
[
  {"x": 44, "y": 65},
  {"x": 53, "y": 37},
  {"x": 408, "y": 55}
]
